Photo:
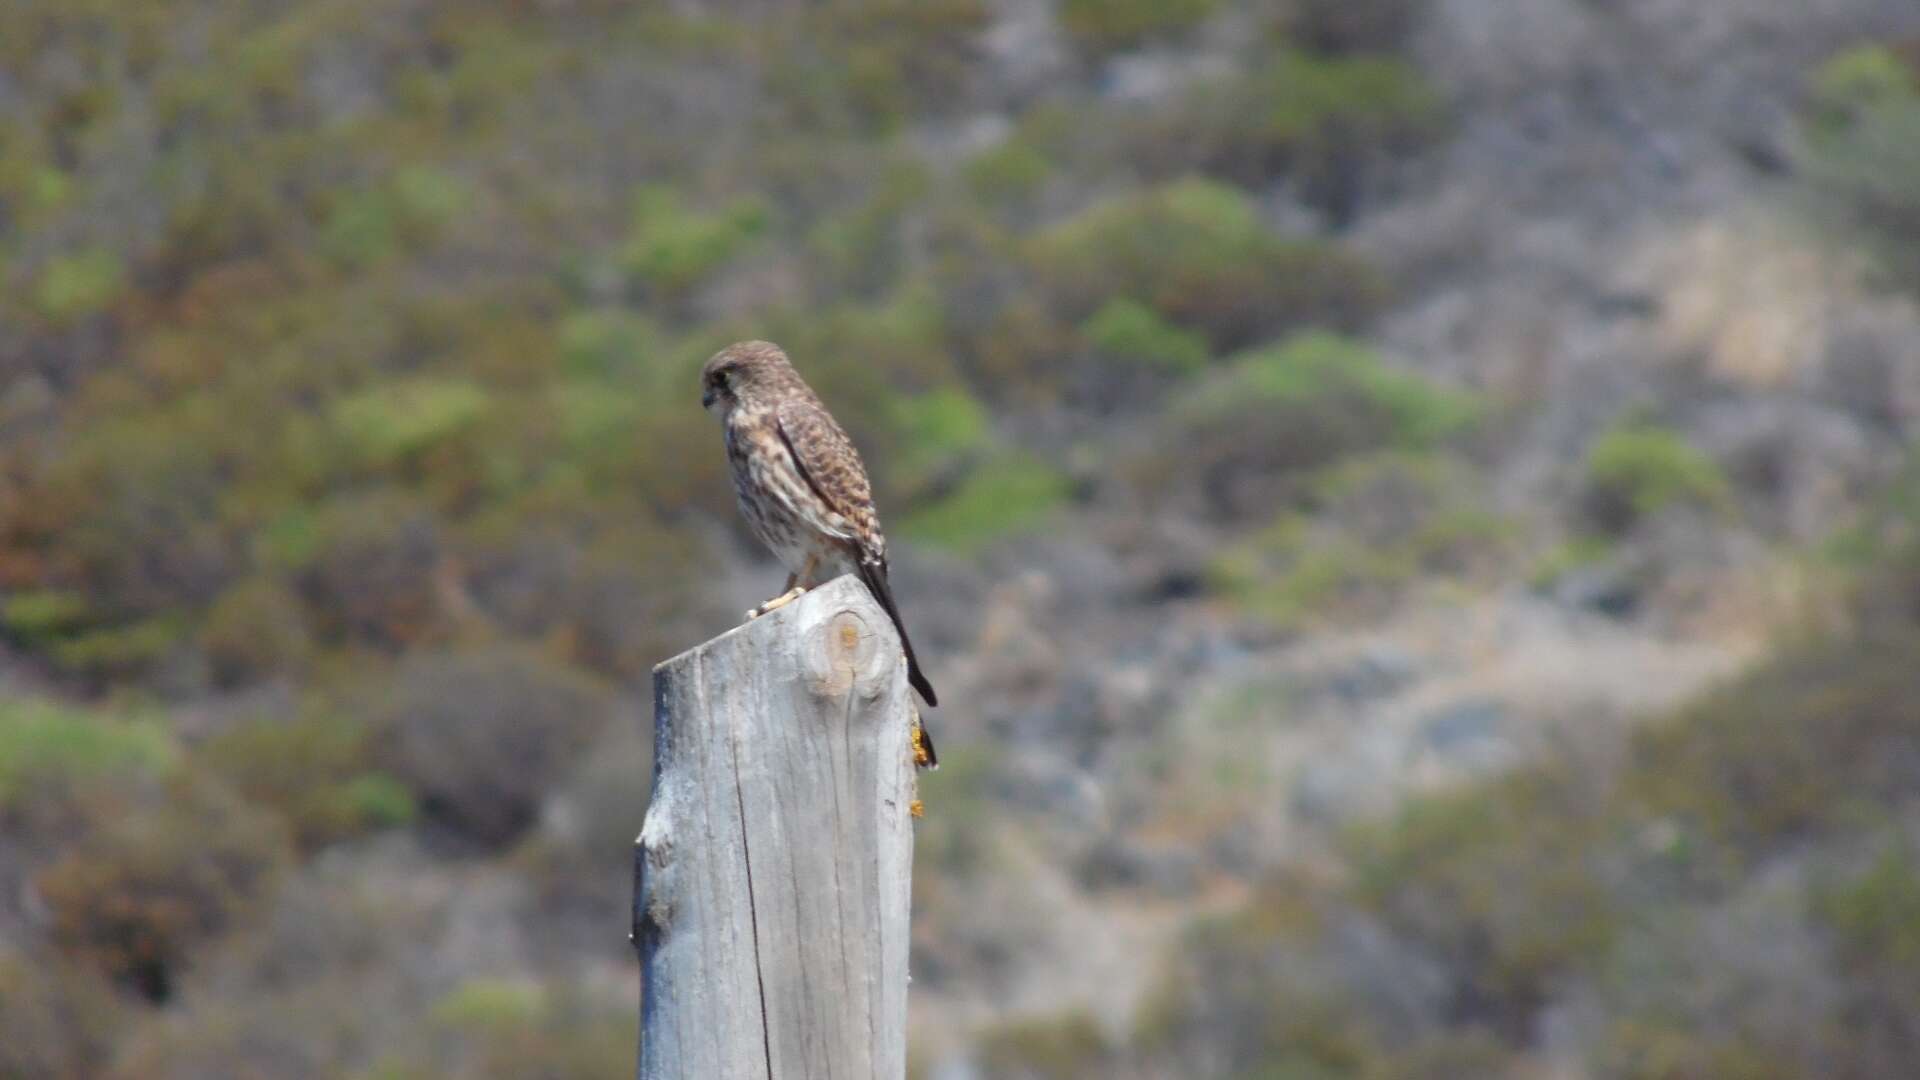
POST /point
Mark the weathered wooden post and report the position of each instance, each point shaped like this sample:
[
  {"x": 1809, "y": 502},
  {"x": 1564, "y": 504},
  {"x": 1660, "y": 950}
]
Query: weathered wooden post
[{"x": 772, "y": 877}]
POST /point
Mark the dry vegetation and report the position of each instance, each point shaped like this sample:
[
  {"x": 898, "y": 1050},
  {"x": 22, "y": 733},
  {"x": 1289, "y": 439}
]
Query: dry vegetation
[{"x": 352, "y": 479}]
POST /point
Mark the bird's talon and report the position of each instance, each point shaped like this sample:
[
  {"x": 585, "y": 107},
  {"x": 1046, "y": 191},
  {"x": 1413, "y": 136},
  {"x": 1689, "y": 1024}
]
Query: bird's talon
[{"x": 776, "y": 603}]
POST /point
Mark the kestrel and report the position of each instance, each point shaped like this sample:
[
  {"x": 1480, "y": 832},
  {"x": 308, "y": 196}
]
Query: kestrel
[{"x": 801, "y": 485}]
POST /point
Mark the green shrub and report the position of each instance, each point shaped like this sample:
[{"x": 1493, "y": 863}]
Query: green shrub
[
  {"x": 1886, "y": 545},
  {"x": 559, "y": 1035},
  {"x": 1247, "y": 433},
  {"x": 1872, "y": 917},
  {"x": 1865, "y": 175},
  {"x": 616, "y": 420},
  {"x": 864, "y": 68},
  {"x": 1379, "y": 406},
  {"x": 673, "y": 247},
  {"x": 1635, "y": 471},
  {"x": 491, "y": 1003},
  {"x": 1504, "y": 883},
  {"x": 128, "y": 514},
  {"x": 1283, "y": 576},
  {"x": 360, "y": 229},
  {"x": 1104, "y": 26},
  {"x": 1010, "y": 172},
  {"x": 50, "y": 188},
  {"x": 376, "y": 800},
  {"x": 41, "y": 742},
  {"x": 859, "y": 251},
  {"x": 290, "y": 539},
  {"x": 1315, "y": 101},
  {"x": 1130, "y": 331},
  {"x": 43, "y": 614},
  {"x": 1061, "y": 1047},
  {"x": 1883, "y": 544},
  {"x": 1372, "y": 527},
  {"x": 1657, "y": 1051},
  {"x": 1565, "y": 558},
  {"x": 129, "y": 649},
  {"x": 1738, "y": 768},
  {"x": 384, "y": 425},
  {"x": 1004, "y": 497},
  {"x": 1856, "y": 82},
  {"x": 605, "y": 344},
  {"x": 77, "y": 285},
  {"x": 1252, "y": 992},
  {"x": 256, "y": 629},
  {"x": 907, "y": 55},
  {"x": 1321, "y": 120},
  {"x": 40, "y": 189},
  {"x": 596, "y": 421},
  {"x": 937, "y": 432},
  {"x": 1862, "y": 155},
  {"x": 364, "y": 226},
  {"x": 314, "y": 770},
  {"x": 430, "y": 198},
  {"x": 1876, "y": 914},
  {"x": 1196, "y": 252}
]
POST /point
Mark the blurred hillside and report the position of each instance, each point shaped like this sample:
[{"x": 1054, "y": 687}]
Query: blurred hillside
[{"x": 1411, "y": 505}]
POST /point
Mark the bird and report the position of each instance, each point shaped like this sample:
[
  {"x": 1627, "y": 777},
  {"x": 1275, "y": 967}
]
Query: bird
[{"x": 803, "y": 489}]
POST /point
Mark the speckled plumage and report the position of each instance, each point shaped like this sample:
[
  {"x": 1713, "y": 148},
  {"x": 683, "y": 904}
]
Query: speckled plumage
[{"x": 799, "y": 480}]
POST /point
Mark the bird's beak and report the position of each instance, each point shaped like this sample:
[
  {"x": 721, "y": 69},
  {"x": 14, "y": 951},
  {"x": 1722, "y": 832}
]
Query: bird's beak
[{"x": 709, "y": 397}]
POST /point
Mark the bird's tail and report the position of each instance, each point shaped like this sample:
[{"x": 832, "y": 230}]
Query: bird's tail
[{"x": 874, "y": 574}]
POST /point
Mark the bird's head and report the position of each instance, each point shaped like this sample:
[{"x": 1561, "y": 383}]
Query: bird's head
[{"x": 744, "y": 371}]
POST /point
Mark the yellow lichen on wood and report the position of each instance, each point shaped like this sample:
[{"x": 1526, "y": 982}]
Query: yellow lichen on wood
[{"x": 920, "y": 755}]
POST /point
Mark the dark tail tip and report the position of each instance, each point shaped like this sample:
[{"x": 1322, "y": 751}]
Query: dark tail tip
[
  {"x": 921, "y": 684},
  {"x": 874, "y": 575}
]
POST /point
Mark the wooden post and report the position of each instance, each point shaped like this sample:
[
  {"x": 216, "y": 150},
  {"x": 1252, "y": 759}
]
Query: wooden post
[{"x": 772, "y": 876}]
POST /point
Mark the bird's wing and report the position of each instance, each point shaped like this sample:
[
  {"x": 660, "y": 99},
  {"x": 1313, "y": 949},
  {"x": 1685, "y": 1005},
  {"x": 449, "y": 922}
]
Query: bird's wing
[
  {"x": 827, "y": 461},
  {"x": 831, "y": 467}
]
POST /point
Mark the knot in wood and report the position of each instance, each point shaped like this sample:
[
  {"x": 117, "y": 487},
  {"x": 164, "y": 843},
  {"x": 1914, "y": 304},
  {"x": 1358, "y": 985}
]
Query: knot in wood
[{"x": 844, "y": 655}]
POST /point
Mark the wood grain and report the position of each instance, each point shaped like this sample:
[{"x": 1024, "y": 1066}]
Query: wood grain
[{"x": 773, "y": 874}]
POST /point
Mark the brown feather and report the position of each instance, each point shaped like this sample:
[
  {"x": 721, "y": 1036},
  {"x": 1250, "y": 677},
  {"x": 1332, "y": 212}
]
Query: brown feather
[{"x": 800, "y": 480}]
